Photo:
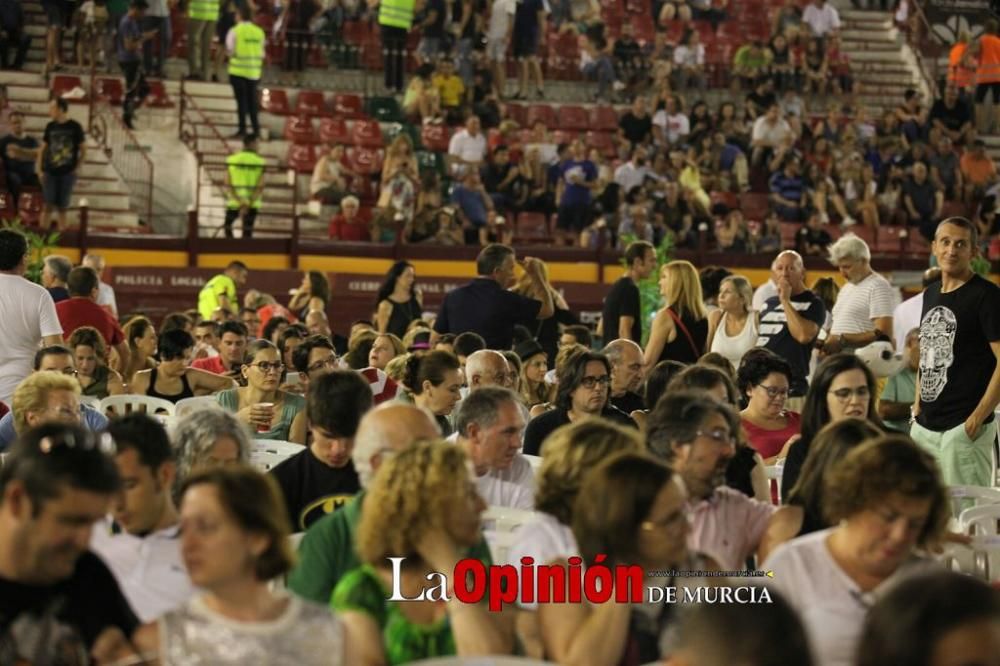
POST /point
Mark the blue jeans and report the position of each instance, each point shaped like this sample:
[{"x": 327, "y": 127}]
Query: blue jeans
[{"x": 604, "y": 72}]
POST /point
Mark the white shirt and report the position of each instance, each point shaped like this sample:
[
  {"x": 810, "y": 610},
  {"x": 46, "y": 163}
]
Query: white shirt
[
  {"x": 148, "y": 569},
  {"x": 28, "y": 315},
  {"x": 467, "y": 147},
  {"x": 106, "y": 297},
  {"x": 513, "y": 488},
  {"x": 768, "y": 133},
  {"x": 858, "y": 304},
  {"x": 686, "y": 55},
  {"x": 545, "y": 540},
  {"x": 830, "y": 604},
  {"x": 822, "y": 20},
  {"x": 628, "y": 175},
  {"x": 905, "y": 318},
  {"x": 762, "y": 293},
  {"x": 674, "y": 126},
  {"x": 501, "y": 15}
]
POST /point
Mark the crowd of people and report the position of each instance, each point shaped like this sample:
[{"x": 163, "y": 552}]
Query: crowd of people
[{"x": 145, "y": 538}]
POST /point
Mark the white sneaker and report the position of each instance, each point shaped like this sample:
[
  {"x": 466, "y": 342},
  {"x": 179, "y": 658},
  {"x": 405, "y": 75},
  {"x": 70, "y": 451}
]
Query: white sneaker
[{"x": 849, "y": 221}]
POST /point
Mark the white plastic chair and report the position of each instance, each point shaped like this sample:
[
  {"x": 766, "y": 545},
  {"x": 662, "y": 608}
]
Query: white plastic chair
[
  {"x": 536, "y": 462},
  {"x": 774, "y": 474},
  {"x": 91, "y": 401},
  {"x": 268, "y": 453},
  {"x": 966, "y": 497},
  {"x": 499, "y": 525},
  {"x": 196, "y": 404},
  {"x": 123, "y": 404}
]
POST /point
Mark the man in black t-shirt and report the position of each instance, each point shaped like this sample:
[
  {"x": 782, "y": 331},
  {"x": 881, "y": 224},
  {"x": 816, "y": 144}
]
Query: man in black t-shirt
[
  {"x": 58, "y": 602},
  {"x": 812, "y": 239},
  {"x": 320, "y": 479},
  {"x": 19, "y": 152},
  {"x": 59, "y": 159},
  {"x": 790, "y": 321},
  {"x": 485, "y": 306},
  {"x": 951, "y": 117},
  {"x": 635, "y": 127},
  {"x": 622, "y": 313},
  {"x": 958, "y": 384}
]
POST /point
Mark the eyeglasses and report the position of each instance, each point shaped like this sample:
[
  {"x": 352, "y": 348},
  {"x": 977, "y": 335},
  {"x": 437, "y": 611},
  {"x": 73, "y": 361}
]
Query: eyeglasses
[
  {"x": 91, "y": 442},
  {"x": 720, "y": 436},
  {"x": 325, "y": 363},
  {"x": 774, "y": 391},
  {"x": 844, "y": 394},
  {"x": 675, "y": 519},
  {"x": 591, "y": 382},
  {"x": 266, "y": 367}
]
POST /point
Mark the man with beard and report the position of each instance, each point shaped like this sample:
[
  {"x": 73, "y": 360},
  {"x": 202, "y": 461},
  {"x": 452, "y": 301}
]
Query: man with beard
[{"x": 696, "y": 437}]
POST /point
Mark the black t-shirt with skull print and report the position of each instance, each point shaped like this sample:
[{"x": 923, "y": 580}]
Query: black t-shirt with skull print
[{"x": 956, "y": 361}]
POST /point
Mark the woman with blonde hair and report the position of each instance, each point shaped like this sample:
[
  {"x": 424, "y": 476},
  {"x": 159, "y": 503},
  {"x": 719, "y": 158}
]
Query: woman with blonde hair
[
  {"x": 399, "y": 186},
  {"x": 732, "y": 327},
  {"x": 534, "y": 365},
  {"x": 546, "y": 331},
  {"x": 423, "y": 506},
  {"x": 680, "y": 329},
  {"x": 570, "y": 453},
  {"x": 96, "y": 379}
]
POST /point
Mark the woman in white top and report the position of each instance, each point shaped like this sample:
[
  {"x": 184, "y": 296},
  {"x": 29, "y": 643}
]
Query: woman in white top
[
  {"x": 570, "y": 452},
  {"x": 234, "y": 540},
  {"x": 732, "y": 328},
  {"x": 886, "y": 499}
]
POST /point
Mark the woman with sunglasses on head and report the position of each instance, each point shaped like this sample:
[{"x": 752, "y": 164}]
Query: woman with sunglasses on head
[
  {"x": 842, "y": 387},
  {"x": 763, "y": 378},
  {"x": 273, "y": 413}
]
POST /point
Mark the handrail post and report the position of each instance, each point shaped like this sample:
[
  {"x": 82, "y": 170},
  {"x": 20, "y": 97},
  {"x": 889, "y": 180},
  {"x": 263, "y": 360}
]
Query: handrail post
[
  {"x": 82, "y": 234},
  {"x": 294, "y": 253},
  {"x": 192, "y": 236},
  {"x": 702, "y": 242}
]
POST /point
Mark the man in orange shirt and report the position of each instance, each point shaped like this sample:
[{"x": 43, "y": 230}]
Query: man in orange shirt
[
  {"x": 987, "y": 48},
  {"x": 978, "y": 170}
]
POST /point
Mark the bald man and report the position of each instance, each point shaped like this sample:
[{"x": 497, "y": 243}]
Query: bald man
[
  {"x": 327, "y": 549},
  {"x": 486, "y": 367},
  {"x": 625, "y": 358}
]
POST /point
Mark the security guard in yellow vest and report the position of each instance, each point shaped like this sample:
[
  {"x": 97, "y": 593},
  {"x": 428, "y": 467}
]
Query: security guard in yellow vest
[
  {"x": 244, "y": 186},
  {"x": 202, "y": 16},
  {"x": 245, "y": 46},
  {"x": 396, "y": 19}
]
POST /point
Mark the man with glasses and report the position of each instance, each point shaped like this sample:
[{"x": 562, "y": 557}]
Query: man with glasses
[
  {"x": 625, "y": 357},
  {"x": 315, "y": 356},
  {"x": 232, "y": 347},
  {"x": 958, "y": 384},
  {"x": 583, "y": 381},
  {"x": 696, "y": 437},
  {"x": 321, "y": 478},
  {"x": 46, "y": 396},
  {"x": 144, "y": 554},
  {"x": 59, "y": 603},
  {"x": 790, "y": 322}
]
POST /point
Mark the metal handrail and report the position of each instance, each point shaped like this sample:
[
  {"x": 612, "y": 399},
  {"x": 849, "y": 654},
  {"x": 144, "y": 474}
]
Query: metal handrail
[{"x": 120, "y": 146}]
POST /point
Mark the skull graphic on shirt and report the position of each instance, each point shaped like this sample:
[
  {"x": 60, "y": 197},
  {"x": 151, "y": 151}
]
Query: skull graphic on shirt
[{"x": 937, "y": 351}]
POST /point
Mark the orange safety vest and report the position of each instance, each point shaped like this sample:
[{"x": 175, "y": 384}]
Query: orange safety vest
[
  {"x": 959, "y": 74},
  {"x": 988, "y": 70}
]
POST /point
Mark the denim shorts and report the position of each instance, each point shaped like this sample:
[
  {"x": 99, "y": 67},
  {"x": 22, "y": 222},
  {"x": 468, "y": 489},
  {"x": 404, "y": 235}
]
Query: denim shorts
[{"x": 57, "y": 190}]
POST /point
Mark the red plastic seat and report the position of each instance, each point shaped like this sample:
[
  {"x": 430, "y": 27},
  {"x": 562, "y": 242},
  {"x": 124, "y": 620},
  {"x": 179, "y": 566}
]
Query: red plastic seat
[
  {"x": 29, "y": 207},
  {"x": 355, "y": 33},
  {"x": 867, "y": 234},
  {"x": 364, "y": 161},
  {"x": 63, "y": 83},
  {"x": 563, "y": 136},
  {"x": 604, "y": 118},
  {"x": 366, "y": 133},
  {"x": 544, "y": 113},
  {"x": 274, "y": 100},
  {"x": 8, "y": 207},
  {"x": 518, "y": 113},
  {"x": 435, "y": 137},
  {"x": 888, "y": 240},
  {"x": 348, "y": 106},
  {"x": 754, "y": 205},
  {"x": 311, "y": 103},
  {"x": 789, "y": 230},
  {"x": 333, "y": 130},
  {"x": 602, "y": 141},
  {"x": 532, "y": 228},
  {"x": 299, "y": 129},
  {"x": 158, "y": 97},
  {"x": 574, "y": 117},
  {"x": 301, "y": 157},
  {"x": 109, "y": 90},
  {"x": 729, "y": 199},
  {"x": 365, "y": 188}
]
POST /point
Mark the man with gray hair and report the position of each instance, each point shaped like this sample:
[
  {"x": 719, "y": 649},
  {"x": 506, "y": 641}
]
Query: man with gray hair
[
  {"x": 55, "y": 273},
  {"x": 105, "y": 292},
  {"x": 490, "y": 427},
  {"x": 327, "y": 551},
  {"x": 863, "y": 312},
  {"x": 486, "y": 367},
  {"x": 790, "y": 321},
  {"x": 625, "y": 357}
]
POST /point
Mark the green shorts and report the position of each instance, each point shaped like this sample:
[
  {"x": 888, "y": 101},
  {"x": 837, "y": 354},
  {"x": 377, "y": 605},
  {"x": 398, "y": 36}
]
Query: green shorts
[{"x": 963, "y": 461}]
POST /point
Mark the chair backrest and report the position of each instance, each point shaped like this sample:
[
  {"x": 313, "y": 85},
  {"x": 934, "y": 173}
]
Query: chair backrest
[
  {"x": 980, "y": 520},
  {"x": 196, "y": 404},
  {"x": 965, "y": 497},
  {"x": 774, "y": 474},
  {"x": 120, "y": 405},
  {"x": 536, "y": 462},
  {"x": 91, "y": 401},
  {"x": 267, "y": 453},
  {"x": 499, "y": 526}
]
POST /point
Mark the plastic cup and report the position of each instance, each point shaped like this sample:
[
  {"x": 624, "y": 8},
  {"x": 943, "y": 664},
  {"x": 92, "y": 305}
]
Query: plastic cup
[{"x": 268, "y": 406}]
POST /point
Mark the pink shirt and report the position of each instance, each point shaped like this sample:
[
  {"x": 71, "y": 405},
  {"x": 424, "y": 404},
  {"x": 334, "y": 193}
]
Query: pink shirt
[{"x": 728, "y": 526}]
